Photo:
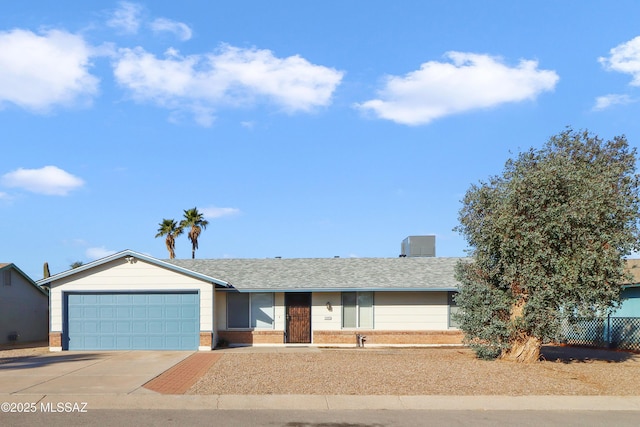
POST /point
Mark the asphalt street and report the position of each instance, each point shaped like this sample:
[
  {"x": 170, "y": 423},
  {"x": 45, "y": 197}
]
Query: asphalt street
[{"x": 346, "y": 418}]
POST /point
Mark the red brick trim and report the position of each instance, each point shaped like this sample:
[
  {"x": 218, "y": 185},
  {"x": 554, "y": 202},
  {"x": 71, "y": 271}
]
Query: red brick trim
[
  {"x": 206, "y": 339},
  {"x": 389, "y": 337},
  {"x": 55, "y": 339},
  {"x": 252, "y": 337}
]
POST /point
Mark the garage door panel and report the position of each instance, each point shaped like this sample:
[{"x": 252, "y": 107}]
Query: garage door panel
[{"x": 122, "y": 321}]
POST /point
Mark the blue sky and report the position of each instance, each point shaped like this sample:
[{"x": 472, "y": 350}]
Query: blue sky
[{"x": 300, "y": 129}]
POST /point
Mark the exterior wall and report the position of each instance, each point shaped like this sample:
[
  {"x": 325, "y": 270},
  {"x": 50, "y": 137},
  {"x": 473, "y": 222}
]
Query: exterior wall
[
  {"x": 410, "y": 311},
  {"x": 23, "y": 310},
  {"x": 273, "y": 335},
  {"x": 397, "y": 337},
  {"x": 630, "y": 303},
  {"x": 400, "y": 318},
  {"x": 120, "y": 275},
  {"x": 323, "y": 319}
]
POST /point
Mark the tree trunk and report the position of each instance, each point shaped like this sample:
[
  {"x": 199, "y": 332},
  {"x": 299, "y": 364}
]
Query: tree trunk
[{"x": 525, "y": 350}]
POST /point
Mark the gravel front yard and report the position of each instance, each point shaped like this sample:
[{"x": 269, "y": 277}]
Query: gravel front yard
[
  {"x": 408, "y": 371},
  {"x": 420, "y": 371}
]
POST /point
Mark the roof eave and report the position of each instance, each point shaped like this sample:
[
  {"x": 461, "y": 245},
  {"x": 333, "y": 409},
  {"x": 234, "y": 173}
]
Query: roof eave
[
  {"x": 302, "y": 289},
  {"x": 129, "y": 253}
]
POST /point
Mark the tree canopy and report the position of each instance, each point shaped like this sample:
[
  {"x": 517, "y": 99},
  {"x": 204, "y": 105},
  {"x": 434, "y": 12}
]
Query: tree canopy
[
  {"x": 547, "y": 241},
  {"x": 194, "y": 220},
  {"x": 170, "y": 229}
]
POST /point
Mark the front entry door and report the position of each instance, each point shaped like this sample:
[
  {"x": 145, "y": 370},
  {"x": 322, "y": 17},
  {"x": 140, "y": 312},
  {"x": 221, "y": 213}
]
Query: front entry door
[{"x": 298, "y": 307}]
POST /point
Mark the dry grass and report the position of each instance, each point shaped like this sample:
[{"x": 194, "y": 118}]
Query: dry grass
[{"x": 425, "y": 371}]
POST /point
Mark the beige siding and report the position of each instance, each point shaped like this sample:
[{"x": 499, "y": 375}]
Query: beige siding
[
  {"x": 321, "y": 318},
  {"x": 410, "y": 311},
  {"x": 221, "y": 310},
  {"x": 279, "y": 323},
  {"x": 119, "y": 275}
]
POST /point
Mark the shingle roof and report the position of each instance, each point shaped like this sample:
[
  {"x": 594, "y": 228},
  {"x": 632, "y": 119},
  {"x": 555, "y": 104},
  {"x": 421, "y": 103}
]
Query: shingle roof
[
  {"x": 327, "y": 274},
  {"x": 633, "y": 267}
]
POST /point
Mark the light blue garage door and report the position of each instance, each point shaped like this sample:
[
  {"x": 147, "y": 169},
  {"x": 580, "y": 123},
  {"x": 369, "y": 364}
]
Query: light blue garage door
[{"x": 132, "y": 321}]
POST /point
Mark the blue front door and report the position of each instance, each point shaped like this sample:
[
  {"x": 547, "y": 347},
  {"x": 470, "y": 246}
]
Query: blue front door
[{"x": 132, "y": 321}]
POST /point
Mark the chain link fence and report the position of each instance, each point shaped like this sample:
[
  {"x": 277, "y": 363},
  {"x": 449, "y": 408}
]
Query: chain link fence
[{"x": 608, "y": 332}]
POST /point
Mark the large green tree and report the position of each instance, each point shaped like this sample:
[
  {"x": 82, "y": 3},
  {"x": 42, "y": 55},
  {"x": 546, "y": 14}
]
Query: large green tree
[
  {"x": 170, "y": 229},
  {"x": 195, "y": 221},
  {"x": 547, "y": 242}
]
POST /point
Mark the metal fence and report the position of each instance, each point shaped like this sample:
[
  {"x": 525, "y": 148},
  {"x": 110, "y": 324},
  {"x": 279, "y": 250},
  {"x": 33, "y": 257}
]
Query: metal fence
[{"x": 608, "y": 332}]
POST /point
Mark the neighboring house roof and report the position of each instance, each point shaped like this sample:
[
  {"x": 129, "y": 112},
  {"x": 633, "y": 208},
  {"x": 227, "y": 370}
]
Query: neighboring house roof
[
  {"x": 129, "y": 253},
  {"x": 633, "y": 267},
  {"x": 5, "y": 266},
  {"x": 330, "y": 274}
]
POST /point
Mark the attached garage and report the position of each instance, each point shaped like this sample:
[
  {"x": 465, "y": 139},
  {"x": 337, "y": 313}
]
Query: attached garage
[
  {"x": 132, "y": 321},
  {"x": 130, "y": 301}
]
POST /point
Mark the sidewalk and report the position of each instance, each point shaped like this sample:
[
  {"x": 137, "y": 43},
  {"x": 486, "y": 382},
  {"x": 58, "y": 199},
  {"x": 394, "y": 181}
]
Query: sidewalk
[{"x": 327, "y": 403}]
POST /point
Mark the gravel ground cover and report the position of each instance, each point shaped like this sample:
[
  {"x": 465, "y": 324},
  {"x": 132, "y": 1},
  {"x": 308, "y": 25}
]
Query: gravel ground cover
[
  {"x": 407, "y": 371},
  {"x": 421, "y": 371}
]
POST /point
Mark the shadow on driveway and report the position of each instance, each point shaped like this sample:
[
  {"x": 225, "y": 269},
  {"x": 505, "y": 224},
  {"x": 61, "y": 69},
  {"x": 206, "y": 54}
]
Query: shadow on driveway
[
  {"x": 28, "y": 362},
  {"x": 570, "y": 354}
]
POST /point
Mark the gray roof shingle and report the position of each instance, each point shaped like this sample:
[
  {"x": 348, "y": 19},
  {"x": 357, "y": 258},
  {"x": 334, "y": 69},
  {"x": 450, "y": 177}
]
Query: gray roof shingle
[{"x": 329, "y": 274}]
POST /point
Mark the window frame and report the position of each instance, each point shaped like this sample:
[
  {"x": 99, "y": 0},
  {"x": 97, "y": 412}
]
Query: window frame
[
  {"x": 452, "y": 308},
  {"x": 358, "y": 310},
  {"x": 251, "y": 320}
]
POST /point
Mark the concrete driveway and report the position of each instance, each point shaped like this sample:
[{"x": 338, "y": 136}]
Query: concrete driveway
[{"x": 112, "y": 372}]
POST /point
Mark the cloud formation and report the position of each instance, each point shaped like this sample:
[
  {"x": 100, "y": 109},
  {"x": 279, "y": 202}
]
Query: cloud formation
[
  {"x": 215, "y": 212},
  {"x": 49, "y": 180},
  {"x": 98, "y": 252},
  {"x": 40, "y": 71},
  {"x": 606, "y": 101},
  {"x": 230, "y": 76},
  {"x": 625, "y": 58},
  {"x": 181, "y": 30},
  {"x": 126, "y": 18},
  {"x": 469, "y": 81}
]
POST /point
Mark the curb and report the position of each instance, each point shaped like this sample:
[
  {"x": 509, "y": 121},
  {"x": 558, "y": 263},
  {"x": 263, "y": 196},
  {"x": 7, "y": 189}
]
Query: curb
[{"x": 339, "y": 402}]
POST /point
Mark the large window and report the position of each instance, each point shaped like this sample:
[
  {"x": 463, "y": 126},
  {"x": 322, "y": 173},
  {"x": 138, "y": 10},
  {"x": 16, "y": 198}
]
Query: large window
[
  {"x": 453, "y": 310},
  {"x": 357, "y": 310},
  {"x": 250, "y": 310}
]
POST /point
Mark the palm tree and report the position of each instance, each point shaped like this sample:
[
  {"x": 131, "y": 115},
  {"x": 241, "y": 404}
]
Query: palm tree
[
  {"x": 169, "y": 228},
  {"x": 195, "y": 220}
]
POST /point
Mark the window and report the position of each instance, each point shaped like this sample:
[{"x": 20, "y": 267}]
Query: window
[
  {"x": 453, "y": 309},
  {"x": 6, "y": 277},
  {"x": 250, "y": 310},
  {"x": 357, "y": 310}
]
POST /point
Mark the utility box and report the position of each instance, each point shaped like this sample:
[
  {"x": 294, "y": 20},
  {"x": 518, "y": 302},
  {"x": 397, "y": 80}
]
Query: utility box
[{"x": 414, "y": 246}]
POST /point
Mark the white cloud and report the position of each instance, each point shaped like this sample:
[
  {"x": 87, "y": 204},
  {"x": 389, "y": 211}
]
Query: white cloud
[
  {"x": 181, "y": 30},
  {"x": 606, "y": 101},
  {"x": 98, "y": 252},
  {"x": 201, "y": 84},
  {"x": 469, "y": 81},
  {"x": 625, "y": 58},
  {"x": 215, "y": 212},
  {"x": 39, "y": 71},
  {"x": 49, "y": 180},
  {"x": 4, "y": 196},
  {"x": 126, "y": 18}
]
